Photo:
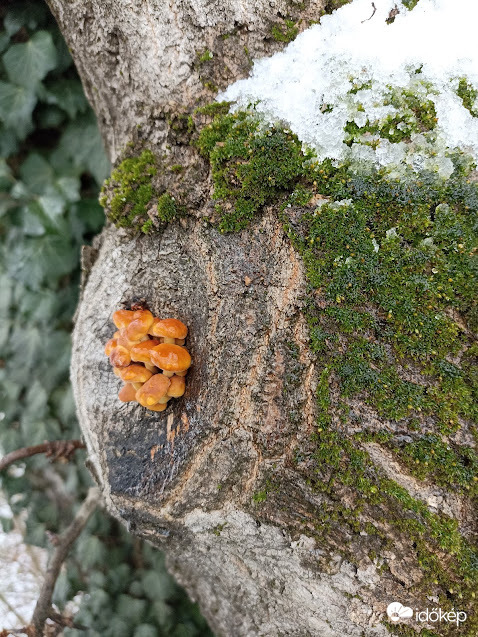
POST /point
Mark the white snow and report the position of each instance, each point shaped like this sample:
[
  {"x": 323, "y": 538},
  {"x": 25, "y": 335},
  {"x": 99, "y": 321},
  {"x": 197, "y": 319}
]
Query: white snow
[
  {"x": 317, "y": 70},
  {"x": 22, "y": 569}
]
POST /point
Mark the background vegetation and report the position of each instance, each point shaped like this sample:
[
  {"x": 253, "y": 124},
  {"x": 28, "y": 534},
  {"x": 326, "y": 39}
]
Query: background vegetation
[{"x": 51, "y": 166}]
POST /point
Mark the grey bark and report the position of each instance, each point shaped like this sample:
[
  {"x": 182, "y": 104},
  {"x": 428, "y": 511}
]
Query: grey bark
[{"x": 185, "y": 479}]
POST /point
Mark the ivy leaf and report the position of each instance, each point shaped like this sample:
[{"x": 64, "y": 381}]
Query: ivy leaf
[
  {"x": 8, "y": 142},
  {"x": 52, "y": 202},
  {"x": 82, "y": 143},
  {"x": 28, "y": 63},
  {"x": 90, "y": 213},
  {"x": 36, "y": 173},
  {"x": 4, "y": 40},
  {"x": 16, "y": 107},
  {"x": 29, "y": 14},
  {"x": 70, "y": 188},
  {"x": 33, "y": 219},
  {"x": 39, "y": 260},
  {"x": 68, "y": 95},
  {"x": 6, "y": 178}
]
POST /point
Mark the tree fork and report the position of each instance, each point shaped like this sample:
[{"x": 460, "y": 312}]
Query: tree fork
[{"x": 223, "y": 481}]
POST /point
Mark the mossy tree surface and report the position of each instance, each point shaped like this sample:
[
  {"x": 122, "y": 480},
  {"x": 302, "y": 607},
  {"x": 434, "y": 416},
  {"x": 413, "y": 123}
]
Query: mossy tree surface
[
  {"x": 392, "y": 271},
  {"x": 131, "y": 199}
]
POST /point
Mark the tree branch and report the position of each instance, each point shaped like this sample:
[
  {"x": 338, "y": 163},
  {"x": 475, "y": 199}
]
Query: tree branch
[
  {"x": 55, "y": 449},
  {"x": 65, "y": 540}
]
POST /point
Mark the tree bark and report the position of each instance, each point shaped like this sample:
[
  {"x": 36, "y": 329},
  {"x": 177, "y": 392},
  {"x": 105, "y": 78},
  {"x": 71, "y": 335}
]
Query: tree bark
[{"x": 216, "y": 481}]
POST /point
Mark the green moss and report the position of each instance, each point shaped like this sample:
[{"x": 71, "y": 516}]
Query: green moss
[
  {"x": 205, "y": 56},
  {"x": 128, "y": 195},
  {"x": 217, "y": 529},
  {"x": 210, "y": 86},
  {"x": 147, "y": 227},
  {"x": 447, "y": 465},
  {"x": 168, "y": 209},
  {"x": 251, "y": 166},
  {"x": 215, "y": 109},
  {"x": 468, "y": 96},
  {"x": 389, "y": 265},
  {"x": 261, "y": 496},
  {"x": 416, "y": 114},
  {"x": 128, "y": 192},
  {"x": 285, "y": 32}
]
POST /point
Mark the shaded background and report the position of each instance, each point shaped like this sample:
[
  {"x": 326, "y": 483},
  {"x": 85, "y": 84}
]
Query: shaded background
[{"x": 52, "y": 164}]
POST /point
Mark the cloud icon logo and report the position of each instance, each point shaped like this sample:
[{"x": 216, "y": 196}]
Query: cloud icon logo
[{"x": 397, "y": 612}]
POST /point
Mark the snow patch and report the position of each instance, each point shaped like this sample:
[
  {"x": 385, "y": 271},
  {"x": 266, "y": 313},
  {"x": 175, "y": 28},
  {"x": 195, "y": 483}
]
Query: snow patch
[{"x": 352, "y": 69}]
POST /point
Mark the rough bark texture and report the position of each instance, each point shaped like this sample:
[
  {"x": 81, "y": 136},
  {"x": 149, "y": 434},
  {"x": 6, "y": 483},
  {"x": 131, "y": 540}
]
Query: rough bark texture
[
  {"x": 192, "y": 479},
  {"x": 141, "y": 60}
]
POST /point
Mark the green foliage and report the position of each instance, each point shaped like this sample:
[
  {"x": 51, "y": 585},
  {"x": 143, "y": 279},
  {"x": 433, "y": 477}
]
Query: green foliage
[
  {"x": 168, "y": 209},
  {"x": 410, "y": 4},
  {"x": 129, "y": 191},
  {"x": 251, "y": 165},
  {"x": 468, "y": 96},
  {"x": 285, "y": 32},
  {"x": 416, "y": 114},
  {"x": 389, "y": 262},
  {"x": 205, "y": 56},
  {"x": 51, "y": 165}
]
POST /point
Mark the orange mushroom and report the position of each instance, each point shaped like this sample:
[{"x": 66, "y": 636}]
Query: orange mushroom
[
  {"x": 153, "y": 390},
  {"x": 141, "y": 352},
  {"x": 120, "y": 356},
  {"x": 137, "y": 358},
  {"x": 170, "y": 358},
  {"x": 170, "y": 330},
  {"x": 158, "y": 407},
  {"x": 135, "y": 374},
  {"x": 139, "y": 326},
  {"x": 177, "y": 387},
  {"x": 127, "y": 393},
  {"x": 122, "y": 318},
  {"x": 110, "y": 346}
]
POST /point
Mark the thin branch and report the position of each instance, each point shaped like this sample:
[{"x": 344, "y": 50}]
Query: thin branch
[
  {"x": 65, "y": 540},
  {"x": 54, "y": 449},
  {"x": 5, "y": 601},
  {"x": 374, "y": 9}
]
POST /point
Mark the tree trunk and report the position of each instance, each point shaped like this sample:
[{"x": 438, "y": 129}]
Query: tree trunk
[{"x": 223, "y": 481}]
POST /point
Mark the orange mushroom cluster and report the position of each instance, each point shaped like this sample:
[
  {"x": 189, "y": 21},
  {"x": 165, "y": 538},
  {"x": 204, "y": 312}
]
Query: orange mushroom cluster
[{"x": 148, "y": 354}]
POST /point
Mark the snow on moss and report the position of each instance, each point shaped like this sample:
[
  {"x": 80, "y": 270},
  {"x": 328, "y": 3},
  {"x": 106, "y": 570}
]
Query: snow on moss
[{"x": 387, "y": 89}]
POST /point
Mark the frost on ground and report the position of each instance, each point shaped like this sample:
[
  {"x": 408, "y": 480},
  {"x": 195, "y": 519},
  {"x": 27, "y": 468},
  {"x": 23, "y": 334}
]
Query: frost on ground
[
  {"x": 22, "y": 569},
  {"x": 399, "y": 91}
]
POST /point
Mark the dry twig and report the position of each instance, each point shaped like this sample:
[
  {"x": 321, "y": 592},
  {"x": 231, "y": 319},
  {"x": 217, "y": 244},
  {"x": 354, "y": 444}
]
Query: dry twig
[
  {"x": 43, "y": 609},
  {"x": 55, "y": 449}
]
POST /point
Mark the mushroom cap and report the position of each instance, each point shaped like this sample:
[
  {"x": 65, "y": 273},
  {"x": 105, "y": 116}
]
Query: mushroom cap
[
  {"x": 177, "y": 387},
  {"x": 127, "y": 393},
  {"x": 154, "y": 389},
  {"x": 139, "y": 326},
  {"x": 158, "y": 407},
  {"x": 171, "y": 358},
  {"x": 127, "y": 342},
  {"x": 110, "y": 346},
  {"x": 171, "y": 327},
  {"x": 141, "y": 351},
  {"x": 122, "y": 318},
  {"x": 135, "y": 374},
  {"x": 120, "y": 356}
]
